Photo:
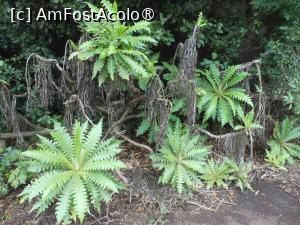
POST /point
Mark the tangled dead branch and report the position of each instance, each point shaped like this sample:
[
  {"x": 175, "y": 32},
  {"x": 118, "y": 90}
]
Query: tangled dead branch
[
  {"x": 41, "y": 88},
  {"x": 76, "y": 80},
  {"x": 159, "y": 99}
]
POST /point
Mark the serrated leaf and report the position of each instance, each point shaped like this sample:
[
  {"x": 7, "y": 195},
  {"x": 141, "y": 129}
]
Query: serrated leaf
[
  {"x": 177, "y": 105},
  {"x": 143, "y": 128},
  {"x": 97, "y": 67},
  {"x": 111, "y": 67}
]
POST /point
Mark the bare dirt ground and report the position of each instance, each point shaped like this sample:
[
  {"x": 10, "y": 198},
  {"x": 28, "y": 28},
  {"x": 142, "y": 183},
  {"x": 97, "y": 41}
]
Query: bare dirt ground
[
  {"x": 275, "y": 201},
  {"x": 270, "y": 206}
]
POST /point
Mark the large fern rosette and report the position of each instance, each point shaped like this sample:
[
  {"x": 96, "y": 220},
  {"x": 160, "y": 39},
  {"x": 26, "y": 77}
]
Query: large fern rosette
[
  {"x": 285, "y": 138},
  {"x": 181, "y": 159},
  {"x": 219, "y": 96},
  {"x": 75, "y": 171},
  {"x": 120, "y": 50}
]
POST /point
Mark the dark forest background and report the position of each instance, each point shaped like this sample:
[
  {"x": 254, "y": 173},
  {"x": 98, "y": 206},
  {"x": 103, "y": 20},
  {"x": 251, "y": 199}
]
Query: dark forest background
[{"x": 237, "y": 32}]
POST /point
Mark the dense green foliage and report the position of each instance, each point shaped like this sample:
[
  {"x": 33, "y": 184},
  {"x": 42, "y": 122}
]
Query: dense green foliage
[
  {"x": 285, "y": 134},
  {"x": 215, "y": 174},
  {"x": 240, "y": 174},
  {"x": 181, "y": 158},
  {"x": 13, "y": 170},
  {"x": 276, "y": 158},
  {"x": 283, "y": 144},
  {"x": 235, "y": 32},
  {"x": 223, "y": 173},
  {"x": 75, "y": 171}
]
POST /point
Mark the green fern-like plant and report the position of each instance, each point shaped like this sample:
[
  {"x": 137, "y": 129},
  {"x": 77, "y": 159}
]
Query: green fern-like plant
[
  {"x": 219, "y": 98},
  {"x": 171, "y": 71},
  {"x": 143, "y": 127},
  {"x": 120, "y": 50},
  {"x": 3, "y": 82},
  {"x": 17, "y": 177},
  {"x": 249, "y": 125},
  {"x": 285, "y": 135},
  {"x": 181, "y": 158},
  {"x": 240, "y": 173},
  {"x": 216, "y": 174},
  {"x": 151, "y": 128},
  {"x": 75, "y": 171},
  {"x": 13, "y": 169},
  {"x": 277, "y": 158},
  {"x": 148, "y": 128}
]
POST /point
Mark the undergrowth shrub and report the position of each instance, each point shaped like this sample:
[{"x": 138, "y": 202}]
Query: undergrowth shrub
[
  {"x": 276, "y": 158},
  {"x": 249, "y": 125},
  {"x": 216, "y": 174},
  {"x": 75, "y": 172},
  {"x": 13, "y": 170},
  {"x": 284, "y": 141},
  {"x": 226, "y": 172},
  {"x": 240, "y": 174},
  {"x": 151, "y": 128},
  {"x": 181, "y": 159}
]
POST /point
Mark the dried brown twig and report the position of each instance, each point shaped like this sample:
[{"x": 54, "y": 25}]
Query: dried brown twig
[{"x": 150, "y": 150}]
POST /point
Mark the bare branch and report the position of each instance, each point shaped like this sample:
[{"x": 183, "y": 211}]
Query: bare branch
[
  {"x": 134, "y": 143},
  {"x": 221, "y": 136},
  {"x": 23, "y": 134}
]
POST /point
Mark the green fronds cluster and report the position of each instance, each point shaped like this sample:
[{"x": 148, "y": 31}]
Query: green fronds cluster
[
  {"x": 219, "y": 96},
  {"x": 75, "y": 171},
  {"x": 223, "y": 173},
  {"x": 119, "y": 50},
  {"x": 283, "y": 146},
  {"x": 181, "y": 158}
]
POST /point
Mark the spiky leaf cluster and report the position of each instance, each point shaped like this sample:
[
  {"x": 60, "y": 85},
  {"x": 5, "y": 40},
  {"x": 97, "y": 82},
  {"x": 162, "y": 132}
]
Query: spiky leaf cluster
[
  {"x": 226, "y": 172},
  {"x": 248, "y": 123},
  {"x": 277, "y": 158},
  {"x": 75, "y": 171},
  {"x": 284, "y": 138},
  {"x": 220, "y": 98},
  {"x": 181, "y": 159},
  {"x": 148, "y": 128},
  {"x": 240, "y": 173},
  {"x": 216, "y": 174},
  {"x": 120, "y": 50},
  {"x": 13, "y": 170}
]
